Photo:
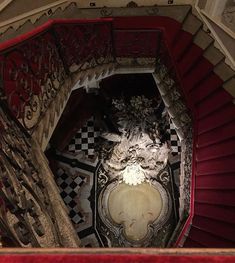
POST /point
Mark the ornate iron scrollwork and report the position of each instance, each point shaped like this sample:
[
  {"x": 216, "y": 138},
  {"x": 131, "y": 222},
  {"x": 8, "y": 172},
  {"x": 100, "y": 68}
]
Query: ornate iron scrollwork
[
  {"x": 27, "y": 217},
  {"x": 33, "y": 72},
  {"x": 106, "y": 12},
  {"x": 88, "y": 46}
]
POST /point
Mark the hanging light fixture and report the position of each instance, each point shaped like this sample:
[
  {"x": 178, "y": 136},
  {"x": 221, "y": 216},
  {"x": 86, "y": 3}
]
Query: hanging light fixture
[{"x": 133, "y": 174}]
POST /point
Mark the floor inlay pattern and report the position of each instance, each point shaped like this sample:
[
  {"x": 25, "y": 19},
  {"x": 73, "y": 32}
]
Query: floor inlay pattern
[
  {"x": 157, "y": 232},
  {"x": 85, "y": 139},
  {"x": 75, "y": 179}
]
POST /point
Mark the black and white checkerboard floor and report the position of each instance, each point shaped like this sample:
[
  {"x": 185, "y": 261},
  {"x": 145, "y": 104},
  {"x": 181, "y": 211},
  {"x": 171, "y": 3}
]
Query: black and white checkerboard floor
[
  {"x": 85, "y": 139},
  {"x": 75, "y": 182},
  {"x": 69, "y": 189},
  {"x": 174, "y": 140}
]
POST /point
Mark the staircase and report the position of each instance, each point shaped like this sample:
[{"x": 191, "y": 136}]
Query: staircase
[
  {"x": 16, "y": 23},
  {"x": 208, "y": 86}
]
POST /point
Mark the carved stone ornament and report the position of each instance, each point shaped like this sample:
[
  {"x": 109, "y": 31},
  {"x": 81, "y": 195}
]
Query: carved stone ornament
[
  {"x": 176, "y": 108},
  {"x": 228, "y": 16},
  {"x": 132, "y": 4},
  {"x": 136, "y": 160}
]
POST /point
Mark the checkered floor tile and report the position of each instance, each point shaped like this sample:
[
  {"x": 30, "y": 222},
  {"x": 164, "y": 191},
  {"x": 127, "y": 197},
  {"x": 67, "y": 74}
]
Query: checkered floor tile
[
  {"x": 69, "y": 188},
  {"x": 174, "y": 139},
  {"x": 85, "y": 139}
]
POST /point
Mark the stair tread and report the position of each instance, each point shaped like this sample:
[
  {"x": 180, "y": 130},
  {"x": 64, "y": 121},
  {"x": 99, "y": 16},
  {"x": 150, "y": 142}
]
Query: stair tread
[
  {"x": 203, "y": 39},
  {"x": 225, "y": 163},
  {"x": 191, "y": 56},
  {"x": 217, "y": 150},
  {"x": 215, "y": 182},
  {"x": 221, "y": 213},
  {"x": 214, "y": 55},
  {"x": 191, "y": 243},
  {"x": 182, "y": 42},
  {"x": 226, "y": 231},
  {"x": 208, "y": 239},
  {"x": 192, "y": 24},
  {"x": 224, "y": 71},
  {"x": 196, "y": 74},
  {"x": 220, "y": 197},
  {"x": 218, "y": 119},
  {"x": 207, "y": 87},
  {"x": 211, "y": 137},
  {"x": 213, "y": 103}
]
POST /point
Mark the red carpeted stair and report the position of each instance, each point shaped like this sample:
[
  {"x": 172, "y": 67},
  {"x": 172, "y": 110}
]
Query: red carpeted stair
[
  {"x": 213, "y": 223},
  {"x": 213, "y": 111}
]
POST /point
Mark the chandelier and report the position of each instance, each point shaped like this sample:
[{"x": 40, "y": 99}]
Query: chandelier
[
  {"x": 138, "y": 153},
  {"x": 133, "y": 174}
]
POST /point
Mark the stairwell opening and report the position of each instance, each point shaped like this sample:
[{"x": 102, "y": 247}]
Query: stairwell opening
[{"x": 79, "y": 147}]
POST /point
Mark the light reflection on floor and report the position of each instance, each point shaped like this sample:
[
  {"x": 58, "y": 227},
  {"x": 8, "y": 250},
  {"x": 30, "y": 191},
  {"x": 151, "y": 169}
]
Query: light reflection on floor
[{"x": 135, "y": 207}]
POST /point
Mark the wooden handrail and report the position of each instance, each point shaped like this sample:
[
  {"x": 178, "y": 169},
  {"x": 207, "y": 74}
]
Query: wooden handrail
[
  {"x": 147, "y": 251},
  {"x": 4, "y": 4}
]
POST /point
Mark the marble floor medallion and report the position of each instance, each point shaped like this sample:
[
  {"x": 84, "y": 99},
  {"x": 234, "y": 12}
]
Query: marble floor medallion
[
  {"x": 134, "y": 207},
  {"x": 134, "y": 216}
]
